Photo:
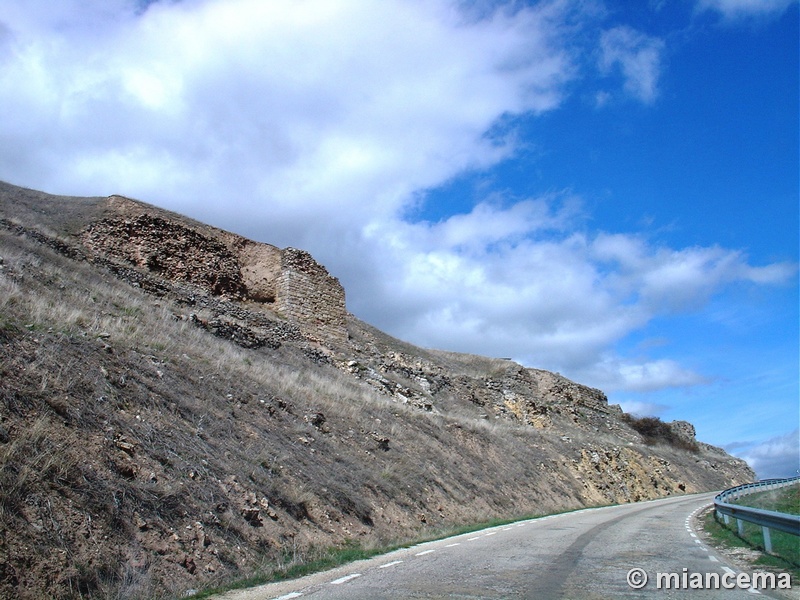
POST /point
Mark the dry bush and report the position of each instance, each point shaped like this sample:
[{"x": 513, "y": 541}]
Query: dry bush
[{"x": 655, "y": 431}]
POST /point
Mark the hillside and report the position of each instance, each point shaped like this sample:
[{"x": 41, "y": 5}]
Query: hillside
[{"x": 180, "y": 406}]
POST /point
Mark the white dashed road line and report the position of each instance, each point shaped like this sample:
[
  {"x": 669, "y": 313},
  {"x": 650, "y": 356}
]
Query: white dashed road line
[
  {"x": 711, "y": 557},
  {"x": 344, "y": 579},
  {"x": 753, "y": 591},
  {"x": 352, "y": 576}
]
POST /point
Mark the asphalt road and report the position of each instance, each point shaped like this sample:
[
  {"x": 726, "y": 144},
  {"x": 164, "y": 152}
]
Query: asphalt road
[{"x": 582, "y": 555}]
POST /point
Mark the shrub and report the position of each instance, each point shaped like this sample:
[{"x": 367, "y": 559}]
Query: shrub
[{"x": 655, "y": 431}]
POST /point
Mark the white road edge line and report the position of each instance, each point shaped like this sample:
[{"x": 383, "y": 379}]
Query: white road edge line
[
  {"x": 391, "y": 564},
  {"x": 424, "y": 552},
  {"x": 289, "y": 596},
  {"x": 451, "y": 545},
  {"x": 345, "y": 578},
  {"x": 472, "y": 539}
]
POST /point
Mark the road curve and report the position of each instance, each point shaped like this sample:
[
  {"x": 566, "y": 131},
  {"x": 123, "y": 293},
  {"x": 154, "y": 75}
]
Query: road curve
[{"x": 585, "y": 554}]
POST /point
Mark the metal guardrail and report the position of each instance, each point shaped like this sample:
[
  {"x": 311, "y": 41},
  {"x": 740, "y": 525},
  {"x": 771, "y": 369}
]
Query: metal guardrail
[{"x": 766, "y": 519}]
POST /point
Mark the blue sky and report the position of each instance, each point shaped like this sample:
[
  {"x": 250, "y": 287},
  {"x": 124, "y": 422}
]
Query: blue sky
[{"x": 607, "y": 189}]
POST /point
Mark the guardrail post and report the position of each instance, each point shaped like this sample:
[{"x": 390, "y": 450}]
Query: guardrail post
[
  {"x": 765, "y": 519},
  {"x": 767, "y": 539}
]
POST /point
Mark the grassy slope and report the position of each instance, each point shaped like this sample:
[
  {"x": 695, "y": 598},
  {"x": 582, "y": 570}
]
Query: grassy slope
[
  {"x": 785, "y": 500},
  {"x": 785, "y": 547}
]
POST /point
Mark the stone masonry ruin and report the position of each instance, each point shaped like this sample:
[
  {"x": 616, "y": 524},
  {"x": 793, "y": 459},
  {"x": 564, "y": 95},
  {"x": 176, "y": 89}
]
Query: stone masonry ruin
[
  {"x": 306, "y": 293},
  {"x": 289, "y": 281}
]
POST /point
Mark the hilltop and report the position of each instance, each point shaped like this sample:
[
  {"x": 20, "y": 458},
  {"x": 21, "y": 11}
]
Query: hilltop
[{"x": 180, "y": 406}]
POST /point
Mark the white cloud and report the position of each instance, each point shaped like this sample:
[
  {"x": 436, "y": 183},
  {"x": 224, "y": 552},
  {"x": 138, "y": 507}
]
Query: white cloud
[
  {"x": 637, "y": 55},
  {"x": 613, "y": 373},
  {"x": 317, "y": 123},
  {"x": 776, "y": 457},
  {"x": 673, "y": 280},
  {"x": 516, "y": 280},
  {"x": 639, "y": 408},
  {"x": 339, "y": 105},
  {"x": 738, "y": 9}
]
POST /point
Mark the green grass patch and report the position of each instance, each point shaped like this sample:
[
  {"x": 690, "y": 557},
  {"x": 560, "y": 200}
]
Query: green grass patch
[
  {"x": 785, "y": 547},
  {"x": 785, "y": 500},
  {"x": 295, "y": 567}
]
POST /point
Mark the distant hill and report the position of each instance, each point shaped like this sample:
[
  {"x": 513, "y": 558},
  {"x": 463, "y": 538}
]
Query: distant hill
[{"x": 180, "y": 406}]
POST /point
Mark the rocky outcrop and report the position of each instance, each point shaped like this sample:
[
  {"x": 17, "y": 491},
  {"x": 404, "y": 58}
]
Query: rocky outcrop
[
  {"x": 684, "y": 431},
  {"x": 560, "y": 390}
]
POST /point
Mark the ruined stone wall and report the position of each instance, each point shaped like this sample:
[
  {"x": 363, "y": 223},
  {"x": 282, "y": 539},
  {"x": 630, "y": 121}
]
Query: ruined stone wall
[
  {"x": 260, "y": 266},
  {"x": 310, "y": 296},
  {"x": 225, "y": 264},
  {"x": 168, "y": 250}
]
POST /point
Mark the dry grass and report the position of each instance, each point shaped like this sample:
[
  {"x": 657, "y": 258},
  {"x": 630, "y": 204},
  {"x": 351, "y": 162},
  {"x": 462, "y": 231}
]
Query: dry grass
[
  {"x": 473, "y": 365},
  {"x": 31, "y": 458}
]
